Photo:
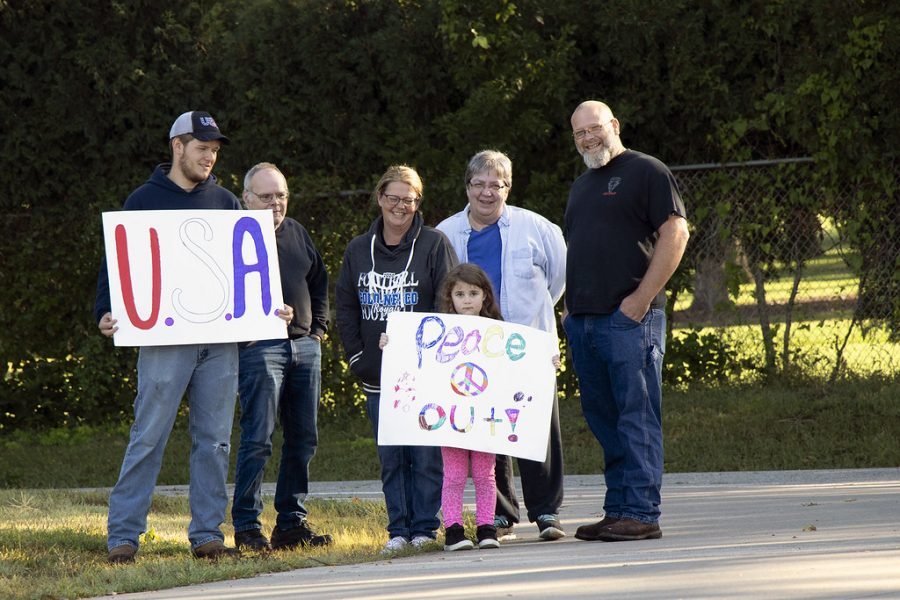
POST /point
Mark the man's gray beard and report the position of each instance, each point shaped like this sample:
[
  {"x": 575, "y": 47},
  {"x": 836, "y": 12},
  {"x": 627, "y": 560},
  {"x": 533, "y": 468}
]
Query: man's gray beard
[{"x": 597, "y": 158}]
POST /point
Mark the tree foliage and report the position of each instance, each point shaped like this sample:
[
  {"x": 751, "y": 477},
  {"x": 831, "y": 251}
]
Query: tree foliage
[{"x": 335, "y": 90}]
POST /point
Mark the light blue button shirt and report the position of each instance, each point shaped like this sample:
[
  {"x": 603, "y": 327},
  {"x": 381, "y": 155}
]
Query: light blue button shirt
[{"x": 533, "y": 263}]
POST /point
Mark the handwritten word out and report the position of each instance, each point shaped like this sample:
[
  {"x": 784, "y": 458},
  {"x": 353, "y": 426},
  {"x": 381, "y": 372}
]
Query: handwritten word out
[{"x": 433, "y": 416}]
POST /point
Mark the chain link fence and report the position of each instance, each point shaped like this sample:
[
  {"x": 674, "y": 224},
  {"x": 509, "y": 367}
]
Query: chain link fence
[
  {"x": 787, "y": 271},
  {"x": 784, "y": 273}
]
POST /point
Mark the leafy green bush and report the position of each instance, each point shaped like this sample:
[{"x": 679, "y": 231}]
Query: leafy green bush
[
  {"x": 335, "y": 91},
  {"x": 693, "y": 356}
]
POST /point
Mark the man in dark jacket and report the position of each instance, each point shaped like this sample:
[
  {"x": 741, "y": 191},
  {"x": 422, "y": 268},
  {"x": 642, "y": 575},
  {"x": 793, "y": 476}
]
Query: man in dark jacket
[
  {"x": 282, "y": 377},
  {"x": 207, "y": 372}
]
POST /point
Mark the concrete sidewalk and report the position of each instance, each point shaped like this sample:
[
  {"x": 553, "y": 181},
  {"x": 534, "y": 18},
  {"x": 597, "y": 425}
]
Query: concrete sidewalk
[{"x": 788, "y": 534}]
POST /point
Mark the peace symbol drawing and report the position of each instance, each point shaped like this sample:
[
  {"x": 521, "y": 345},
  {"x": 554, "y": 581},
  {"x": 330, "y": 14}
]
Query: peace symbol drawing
[{"x": 468, "y": 379}]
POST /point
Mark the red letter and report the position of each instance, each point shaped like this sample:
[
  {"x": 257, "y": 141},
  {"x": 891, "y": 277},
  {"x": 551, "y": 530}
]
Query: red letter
[{"x": 125, "y": 278}]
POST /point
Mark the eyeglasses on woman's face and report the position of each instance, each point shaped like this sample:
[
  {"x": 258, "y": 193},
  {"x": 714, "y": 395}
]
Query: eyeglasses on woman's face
[
  {"x": 393, "y": 201},
  {"x": 481, "y": 186}
]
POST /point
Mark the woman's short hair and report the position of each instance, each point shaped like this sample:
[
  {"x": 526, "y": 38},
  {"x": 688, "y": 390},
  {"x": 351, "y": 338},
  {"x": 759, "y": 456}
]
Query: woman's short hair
[
  {"x": 402, "y": 174},
  {"x": 491, "y": 161}
]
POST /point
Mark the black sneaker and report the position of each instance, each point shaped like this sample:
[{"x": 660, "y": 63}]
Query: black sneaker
[
  {"x": 251, "y": 539},
  {"x": 504, "y": 528},
  {"x": 550, "y": 528},
  {"x": 487, "y": 537},
  {"x": 455, "y": 539},
  {"x": 300, "y": 536}
]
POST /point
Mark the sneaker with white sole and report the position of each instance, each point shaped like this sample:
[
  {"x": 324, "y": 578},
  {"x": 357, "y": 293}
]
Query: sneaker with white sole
[
  {"x": 550, "y": 527},
  {"x": 395, "y": 544},
  {"x": 487, "y": 537},
  {"x": 455, "y": 539},
  {"x": 420, "y": 541},
  {"x": 504, "y": 528}
]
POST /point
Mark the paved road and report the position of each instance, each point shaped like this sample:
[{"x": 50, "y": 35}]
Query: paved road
[{"x": 788, "y": 534}]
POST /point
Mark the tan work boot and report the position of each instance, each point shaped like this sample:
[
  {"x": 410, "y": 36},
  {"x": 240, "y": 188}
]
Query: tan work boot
[{"x": 214, "y": 550}]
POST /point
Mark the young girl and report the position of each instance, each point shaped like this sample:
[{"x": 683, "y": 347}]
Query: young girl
[{"x": 467, "y": 290}]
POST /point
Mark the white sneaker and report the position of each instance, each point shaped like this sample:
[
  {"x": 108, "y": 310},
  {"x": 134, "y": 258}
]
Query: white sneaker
[
  {"x": 395, "y": 544},
  {"x": 420, "y": 541}
]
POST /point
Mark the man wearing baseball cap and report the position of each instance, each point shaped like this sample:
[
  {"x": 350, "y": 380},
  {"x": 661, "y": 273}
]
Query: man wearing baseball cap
[{"x": 206, "y": 372}]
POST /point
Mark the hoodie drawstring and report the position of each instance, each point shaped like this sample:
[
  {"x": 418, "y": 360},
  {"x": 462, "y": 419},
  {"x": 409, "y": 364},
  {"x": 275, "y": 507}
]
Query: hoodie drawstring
[{"x": 399, "y": 279}]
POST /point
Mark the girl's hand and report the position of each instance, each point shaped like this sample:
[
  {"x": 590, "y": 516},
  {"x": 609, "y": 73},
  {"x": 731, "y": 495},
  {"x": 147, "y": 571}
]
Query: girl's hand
[
  {"x": 383, "y": 341},
  {"x": 556, "y": 362}
]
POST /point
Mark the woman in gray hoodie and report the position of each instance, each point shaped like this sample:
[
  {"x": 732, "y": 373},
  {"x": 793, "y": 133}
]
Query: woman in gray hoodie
[{"x": 397, "y": 265}]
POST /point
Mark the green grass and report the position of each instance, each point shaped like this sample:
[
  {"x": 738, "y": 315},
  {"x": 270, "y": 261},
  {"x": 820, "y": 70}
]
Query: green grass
[
  {"x": 53, "y": 544},
  {"x": 748, "y": 427},
  {"x": 91, "y": 456},
  {"x": 852, "y": 424}
]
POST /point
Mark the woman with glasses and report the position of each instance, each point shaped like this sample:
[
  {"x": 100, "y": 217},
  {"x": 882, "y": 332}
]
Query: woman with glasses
[
  {"x": 397, "y": 265},
  {"x": 525, "y": 256}
]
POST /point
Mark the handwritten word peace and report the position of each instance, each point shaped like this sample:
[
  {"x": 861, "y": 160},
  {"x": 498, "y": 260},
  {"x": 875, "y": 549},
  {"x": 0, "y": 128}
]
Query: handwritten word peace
[{"x": 432, "y": 332}]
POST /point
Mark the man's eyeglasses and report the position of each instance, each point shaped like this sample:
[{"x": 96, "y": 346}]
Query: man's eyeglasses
[
  {"x": 393, "y": 201},
  {"x": 593, "y": 130},
  {"x": 271, "y": 198},
  {"x": 480, "y": 186}
]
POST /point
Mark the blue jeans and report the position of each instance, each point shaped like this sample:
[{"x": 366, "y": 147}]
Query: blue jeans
[
  {"x": 411, "y": 478},
  {"x": 208, "y": 373},
  {"x": 278, "y": 378},
  {"x": 619, "y": 367}
]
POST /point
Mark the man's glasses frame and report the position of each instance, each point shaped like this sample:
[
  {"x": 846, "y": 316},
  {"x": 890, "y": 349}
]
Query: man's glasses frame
[
  {"x": 271, "y": 198},
  {"x": 593, "y": 130}
]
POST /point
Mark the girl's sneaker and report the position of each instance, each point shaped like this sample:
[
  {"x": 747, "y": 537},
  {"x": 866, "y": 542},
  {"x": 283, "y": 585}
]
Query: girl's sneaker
[
  {"x": 455, "y": 539},
  {"x": 487, "y": 537}
]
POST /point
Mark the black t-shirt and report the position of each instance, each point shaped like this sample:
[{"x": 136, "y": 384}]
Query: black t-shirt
[{"x": 611, "y": 224}]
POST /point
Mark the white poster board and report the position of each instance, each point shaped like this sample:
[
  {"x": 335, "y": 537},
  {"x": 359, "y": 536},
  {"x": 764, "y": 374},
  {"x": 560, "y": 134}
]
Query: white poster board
[
  {"x": 193, "y": 276},
  {"x": 466, "y": 382}
]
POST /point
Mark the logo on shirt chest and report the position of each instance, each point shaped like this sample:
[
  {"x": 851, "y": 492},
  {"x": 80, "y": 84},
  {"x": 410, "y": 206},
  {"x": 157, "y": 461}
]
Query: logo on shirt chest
[{"x": 611, "y": 185}]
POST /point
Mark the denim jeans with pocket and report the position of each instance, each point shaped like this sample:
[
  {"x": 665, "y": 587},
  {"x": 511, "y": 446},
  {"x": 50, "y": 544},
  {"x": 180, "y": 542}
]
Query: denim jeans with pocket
[
  {"x": 411, "y": 478},
  {"x": 619, "y": 366},
  {"x": 279, "y": 379},
  {"x": 208, "y": 373}
]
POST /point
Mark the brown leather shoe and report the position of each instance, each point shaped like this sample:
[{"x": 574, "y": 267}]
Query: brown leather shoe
[
  {"x": 589, "y": 532},
  {"x": 215, "y": 550},
  {"x": 619, "y": 530},
  {"x": 121, "y": 555}
]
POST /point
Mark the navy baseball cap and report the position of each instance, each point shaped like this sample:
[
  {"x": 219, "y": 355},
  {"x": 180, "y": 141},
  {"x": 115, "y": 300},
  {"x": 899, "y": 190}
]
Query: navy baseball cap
[{"x": 199, "y": 124}]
